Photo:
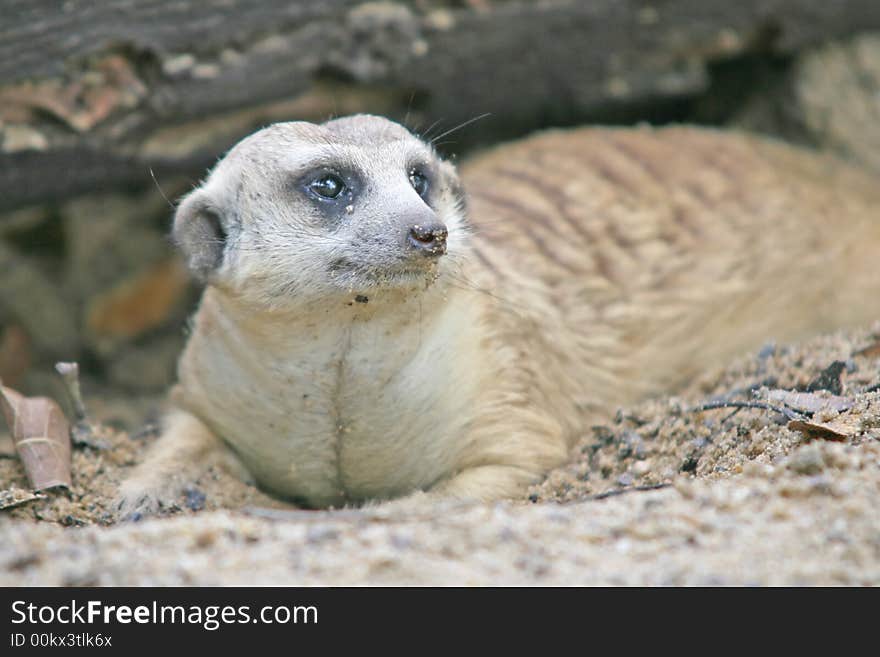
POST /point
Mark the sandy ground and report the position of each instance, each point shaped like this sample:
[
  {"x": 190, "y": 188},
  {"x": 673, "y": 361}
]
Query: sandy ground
[{"x": 661, "y": 494}]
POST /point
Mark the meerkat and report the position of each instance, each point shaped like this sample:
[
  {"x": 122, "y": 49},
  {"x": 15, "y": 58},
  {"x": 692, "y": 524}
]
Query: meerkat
[{"x": 366, "y": 335}]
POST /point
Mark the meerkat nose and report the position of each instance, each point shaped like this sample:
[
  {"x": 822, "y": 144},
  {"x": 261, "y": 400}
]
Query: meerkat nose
[{"x": 429, "y": 239}]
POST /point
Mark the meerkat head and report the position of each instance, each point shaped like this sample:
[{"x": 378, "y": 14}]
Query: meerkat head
[{"x": 299, "y": 210}]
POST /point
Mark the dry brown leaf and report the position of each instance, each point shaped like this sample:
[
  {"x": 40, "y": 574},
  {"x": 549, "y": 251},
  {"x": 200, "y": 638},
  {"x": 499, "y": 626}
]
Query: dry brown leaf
[
  {"x": 837, "y": 429},
  {"x": 41, "y": 435},
  {"x": 871, "y": 351},
  {"x": 816, "y": 430},
  {"x": 810, "y": 402}
]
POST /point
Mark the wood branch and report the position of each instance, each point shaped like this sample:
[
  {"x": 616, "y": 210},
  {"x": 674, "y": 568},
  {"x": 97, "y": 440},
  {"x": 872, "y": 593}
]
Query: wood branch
[{"x": 95, "y": 94}]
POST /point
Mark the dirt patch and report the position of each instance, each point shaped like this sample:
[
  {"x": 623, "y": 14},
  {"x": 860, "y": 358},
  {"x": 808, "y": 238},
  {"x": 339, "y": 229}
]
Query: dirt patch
[
  {"x": 662, "y": 493},
  {"x": 666, "y": 439}
]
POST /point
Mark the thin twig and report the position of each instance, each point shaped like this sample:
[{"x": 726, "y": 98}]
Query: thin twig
[
  {"x": 730, "y": 415},
  {"x": 709, "y": 406},
  {"x": 620, "y": 491},
  {"x": 70, "y": 375},
  {"x": 82, "y": 431}
]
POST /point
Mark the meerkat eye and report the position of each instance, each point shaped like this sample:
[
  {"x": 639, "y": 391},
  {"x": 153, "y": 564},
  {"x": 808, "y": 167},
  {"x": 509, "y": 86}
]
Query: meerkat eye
[
  {"x": 327, "y": 186},
  {"x": 419, "y": 181}
]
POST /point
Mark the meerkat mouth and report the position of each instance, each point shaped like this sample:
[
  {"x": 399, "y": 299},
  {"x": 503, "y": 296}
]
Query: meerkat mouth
[{"x": 351, "y": 275}]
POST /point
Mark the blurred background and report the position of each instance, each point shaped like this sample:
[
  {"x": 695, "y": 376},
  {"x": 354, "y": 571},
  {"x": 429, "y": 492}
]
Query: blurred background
[{"x": 110, "y": 110}]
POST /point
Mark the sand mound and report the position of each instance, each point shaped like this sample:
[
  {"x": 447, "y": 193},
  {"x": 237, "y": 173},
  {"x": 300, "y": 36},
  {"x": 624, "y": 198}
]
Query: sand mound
[{"x": 663, "y": 493}]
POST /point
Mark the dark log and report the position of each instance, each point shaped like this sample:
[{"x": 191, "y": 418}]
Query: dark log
[{"x": 94, "y": 94}]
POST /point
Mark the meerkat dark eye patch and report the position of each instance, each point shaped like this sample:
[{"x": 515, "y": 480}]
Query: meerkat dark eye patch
[{"x": 419, "y": 182}]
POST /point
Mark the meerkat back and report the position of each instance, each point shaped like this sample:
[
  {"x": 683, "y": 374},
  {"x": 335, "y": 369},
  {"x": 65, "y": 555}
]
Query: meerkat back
[{"x": 637, "y": 257}]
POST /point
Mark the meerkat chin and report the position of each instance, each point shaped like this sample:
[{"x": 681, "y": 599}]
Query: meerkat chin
[{"x": 359, "y": 339}]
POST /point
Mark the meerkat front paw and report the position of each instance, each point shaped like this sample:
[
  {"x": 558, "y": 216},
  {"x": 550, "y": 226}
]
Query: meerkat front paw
[{"x": 181, "y": 455}]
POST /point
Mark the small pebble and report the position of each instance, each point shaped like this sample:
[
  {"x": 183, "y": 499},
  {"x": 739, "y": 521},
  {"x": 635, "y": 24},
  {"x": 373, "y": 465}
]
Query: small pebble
[
  {"x": 641, "y": 468},
  {"x": 194, "y": 499}
]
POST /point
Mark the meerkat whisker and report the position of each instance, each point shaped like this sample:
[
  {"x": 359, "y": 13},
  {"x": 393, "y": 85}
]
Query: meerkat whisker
[{"x": 461, "y": 125}]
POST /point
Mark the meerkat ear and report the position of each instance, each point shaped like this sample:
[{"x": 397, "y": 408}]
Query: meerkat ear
[{"x": 200, "y": 234}]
